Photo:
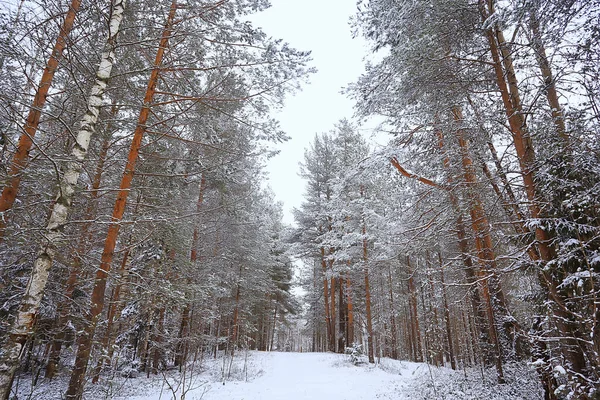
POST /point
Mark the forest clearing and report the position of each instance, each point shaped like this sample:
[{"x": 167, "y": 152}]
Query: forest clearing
[{"x": 187, "y": 210}]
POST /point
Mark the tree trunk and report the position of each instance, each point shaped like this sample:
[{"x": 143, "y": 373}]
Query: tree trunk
[
  {"x": 274, "y": 326},
  {"x": 332, "y": 314},
  {"x": 483, "y": 244},
  {"x": 369, "y": 316},
  {"x": 394, "y": 329},
  {"x": 75, "y": 389},
  {"x": 565, "y": 321},
  {"x": 75, "y": 273},
  {"x": 414, "y": 316},
  {"x": 343, "y": 317},
  {"x": 21, "y": 156},
  {"x": 22, "y": 325},
  {"x": 157, "y": 340},
  {"x": 370, "y": 347},
  {"x": 350, "y": 323},
  {"x": 326, "y": 298},
  {"x": 181, "y": 348},
  {"x": 551, "y": 94},
  {"x": 447, "y": 316},
  {"x": 236, "y": 314},
  {"x": 113, "y": 311}
]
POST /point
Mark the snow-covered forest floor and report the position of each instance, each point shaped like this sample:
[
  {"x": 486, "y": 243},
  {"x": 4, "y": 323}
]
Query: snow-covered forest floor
[{"x": 300, "y": 376}]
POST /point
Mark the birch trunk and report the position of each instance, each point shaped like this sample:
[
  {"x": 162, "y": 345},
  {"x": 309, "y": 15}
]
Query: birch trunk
[
  {"x": 21, "y": 156},
  {"x": 97, "y": 298},
  {"x": 64, "y": 306},
  {"x": 22, "y": 326}
]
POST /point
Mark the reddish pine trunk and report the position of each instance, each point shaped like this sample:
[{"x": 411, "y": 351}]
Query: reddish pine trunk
[
  {"x": 350, "y": 324},
  {"x": 21, "y": 156},
  {"x": 332, "y": 314},
  {"x": 414, "y": 317},
  {"x": 274, "y": 326},
  {"x": 503, "y": 66},
  {"x": 113, "y": 311},
  {"x": 483, "y": 243},
  {"x": 343, "y": 317}
]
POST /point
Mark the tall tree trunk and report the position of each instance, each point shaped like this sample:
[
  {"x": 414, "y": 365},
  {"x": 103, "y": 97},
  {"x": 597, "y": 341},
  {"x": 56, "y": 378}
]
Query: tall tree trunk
[
  {"x": 328, "y": 322},
  {"x": 74, "y": 275},
  {"x": 350, "y": 323},
  {"x": 483, "y": 244},
  {"x": 181, "y": 348},
  {"x": 365, "y": 260},
  {"x": 565, "y": 321},
  {"x": 114, "y": 307},
  {"x": 447, "y": 316},
  {"x": 414, "y": 316},
  {"x": 157, "y": 340},
  {"x": 343, "y": 317},
  {"x": 236, "y": 313},
  {"x": 369, "y": 316},
  {"x": 22, "y": 325},
  {"x": 332, "y": 314},
  {"x": 97, "y": 299},
  {"x": 394, "y": 328},
  {"x": 21, "y": 156},
  {"x": 551, "y": 94},
  {"x": 113, "y": 311},
  {"x": 274, "y": 326}
]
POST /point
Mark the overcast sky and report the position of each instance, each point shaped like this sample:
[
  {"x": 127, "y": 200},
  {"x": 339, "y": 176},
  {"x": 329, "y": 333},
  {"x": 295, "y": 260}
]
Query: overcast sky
[{"x": 321, "y": 26}]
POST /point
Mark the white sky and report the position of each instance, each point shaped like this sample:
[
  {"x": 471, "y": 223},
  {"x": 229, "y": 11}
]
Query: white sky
[{"x": 321, "y": 26}]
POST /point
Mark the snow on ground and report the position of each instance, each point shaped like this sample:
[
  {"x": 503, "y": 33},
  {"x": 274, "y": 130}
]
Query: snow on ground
[
  {"x": 302, "y": 376},
  {"x": 522, "y": 383},
  {"x": 256, "y": 375}
]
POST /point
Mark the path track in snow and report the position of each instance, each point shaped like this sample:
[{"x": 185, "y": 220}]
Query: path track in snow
[{"x": 309, "y": 376}]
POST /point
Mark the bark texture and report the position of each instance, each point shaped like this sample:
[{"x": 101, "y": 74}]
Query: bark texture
[{"x": 21, "y": 156}]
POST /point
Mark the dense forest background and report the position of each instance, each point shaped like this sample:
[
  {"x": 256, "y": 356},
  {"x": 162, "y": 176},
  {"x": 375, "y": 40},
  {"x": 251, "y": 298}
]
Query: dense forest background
[{"x": 137, "y": 232}]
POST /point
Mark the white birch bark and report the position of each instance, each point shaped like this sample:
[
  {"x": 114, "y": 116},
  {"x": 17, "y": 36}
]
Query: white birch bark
[{"x": 22, "y": 326}]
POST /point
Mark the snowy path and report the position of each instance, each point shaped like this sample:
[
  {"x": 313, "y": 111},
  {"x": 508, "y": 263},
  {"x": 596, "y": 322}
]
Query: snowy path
[{"x": 308, "y": 376}]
